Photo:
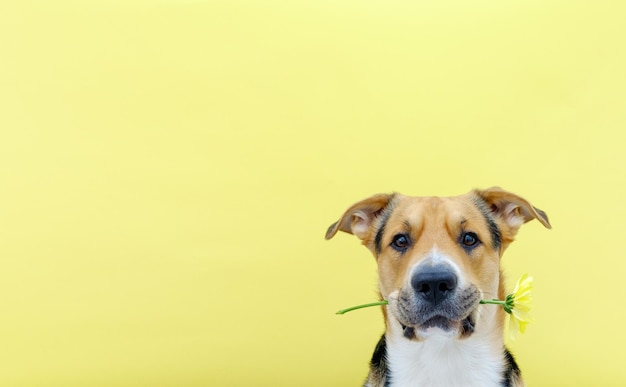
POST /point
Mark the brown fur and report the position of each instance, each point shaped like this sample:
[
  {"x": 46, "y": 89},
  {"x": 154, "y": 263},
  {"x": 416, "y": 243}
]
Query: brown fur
[{"x": 494, "y": 215}]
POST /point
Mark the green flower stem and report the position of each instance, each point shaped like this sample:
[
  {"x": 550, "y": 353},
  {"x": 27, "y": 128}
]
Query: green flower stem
[
  {"x": 495, "y": 302},
  {"x": 507, "y": 304},
  {"x": 383, "y": 302}
]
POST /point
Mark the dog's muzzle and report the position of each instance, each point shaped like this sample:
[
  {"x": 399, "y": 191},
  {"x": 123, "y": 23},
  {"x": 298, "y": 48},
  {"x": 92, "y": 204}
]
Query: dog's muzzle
[{"x": 434, "y": 299}]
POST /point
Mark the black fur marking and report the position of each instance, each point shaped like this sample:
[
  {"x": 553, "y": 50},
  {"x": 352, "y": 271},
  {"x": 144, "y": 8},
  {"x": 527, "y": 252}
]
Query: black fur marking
[
  {"x": 384, "y": 218},
  {"x": 379, "y": 369},
  {"x": 378, "y": 239},
  {"x": 379, "y": 358},
  {"x": 467, "y": 327},
  {"x": 511, "y": 372},
  {"x": 496, "y": 236},
  {"x": 408, "y": 332}
]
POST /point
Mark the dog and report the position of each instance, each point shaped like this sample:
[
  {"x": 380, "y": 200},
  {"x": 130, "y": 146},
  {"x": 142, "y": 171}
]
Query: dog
[{"x": 437, "y": 257}]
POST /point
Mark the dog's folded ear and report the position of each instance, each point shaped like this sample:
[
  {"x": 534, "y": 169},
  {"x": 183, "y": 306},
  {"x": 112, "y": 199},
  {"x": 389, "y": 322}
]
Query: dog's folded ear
[
  {"x": 359, "y": 217},
  {"x": 511, "y": 208}
]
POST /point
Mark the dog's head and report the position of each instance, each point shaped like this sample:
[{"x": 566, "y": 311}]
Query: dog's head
[{"x": 438, "y": 257}]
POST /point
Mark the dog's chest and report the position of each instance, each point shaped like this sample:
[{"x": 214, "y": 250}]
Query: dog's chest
[{"x": 435, "y": 363}]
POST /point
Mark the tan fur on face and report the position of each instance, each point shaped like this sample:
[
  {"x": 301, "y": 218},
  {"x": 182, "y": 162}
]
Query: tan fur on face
[
  {"x": 455, "y": 332},
  {"x": 437, "y": 224}
]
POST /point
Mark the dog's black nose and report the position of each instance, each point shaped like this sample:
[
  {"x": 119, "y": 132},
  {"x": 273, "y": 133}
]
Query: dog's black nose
[{"x": 434, "y": 284}]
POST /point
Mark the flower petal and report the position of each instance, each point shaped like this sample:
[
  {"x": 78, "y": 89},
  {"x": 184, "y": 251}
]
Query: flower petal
[
  {"x": 522, "y": 298},
  {"x": 521, "y": 315},
  {"x": 514, "y": 327}
]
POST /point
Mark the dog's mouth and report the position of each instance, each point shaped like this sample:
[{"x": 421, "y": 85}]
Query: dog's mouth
[
  {"x": 465, "y": 327},
  {"x": 456, "y": 316}
]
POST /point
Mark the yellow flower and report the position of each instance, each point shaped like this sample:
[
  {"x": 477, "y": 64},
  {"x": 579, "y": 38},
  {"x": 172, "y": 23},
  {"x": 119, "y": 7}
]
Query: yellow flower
[
  {"x": 520, "y": 305},
  {"x": 517, "y": 305}
]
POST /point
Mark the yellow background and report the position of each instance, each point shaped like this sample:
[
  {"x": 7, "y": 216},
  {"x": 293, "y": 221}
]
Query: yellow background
[{"x": 168, "y": 170}]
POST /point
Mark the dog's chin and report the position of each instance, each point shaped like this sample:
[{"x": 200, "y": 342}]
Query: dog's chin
[
  {"x": 440, "y": 322},
  {"x": 441, "y": 326}
]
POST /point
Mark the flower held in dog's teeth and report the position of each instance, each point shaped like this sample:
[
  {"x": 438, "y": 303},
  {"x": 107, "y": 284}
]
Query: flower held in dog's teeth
[{"x": 517, "y": 304}]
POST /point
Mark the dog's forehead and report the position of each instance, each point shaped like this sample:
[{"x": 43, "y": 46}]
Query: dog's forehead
[{"x": 434, "y": 207}]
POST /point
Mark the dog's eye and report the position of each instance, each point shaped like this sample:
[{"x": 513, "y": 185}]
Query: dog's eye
[
  {"x": 400, "y": 242},
  {"x": 469, "y": 239}
]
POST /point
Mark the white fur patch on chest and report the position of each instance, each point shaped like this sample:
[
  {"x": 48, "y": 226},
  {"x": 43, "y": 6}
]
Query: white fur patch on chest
[{"x": 442, "y": 361}]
